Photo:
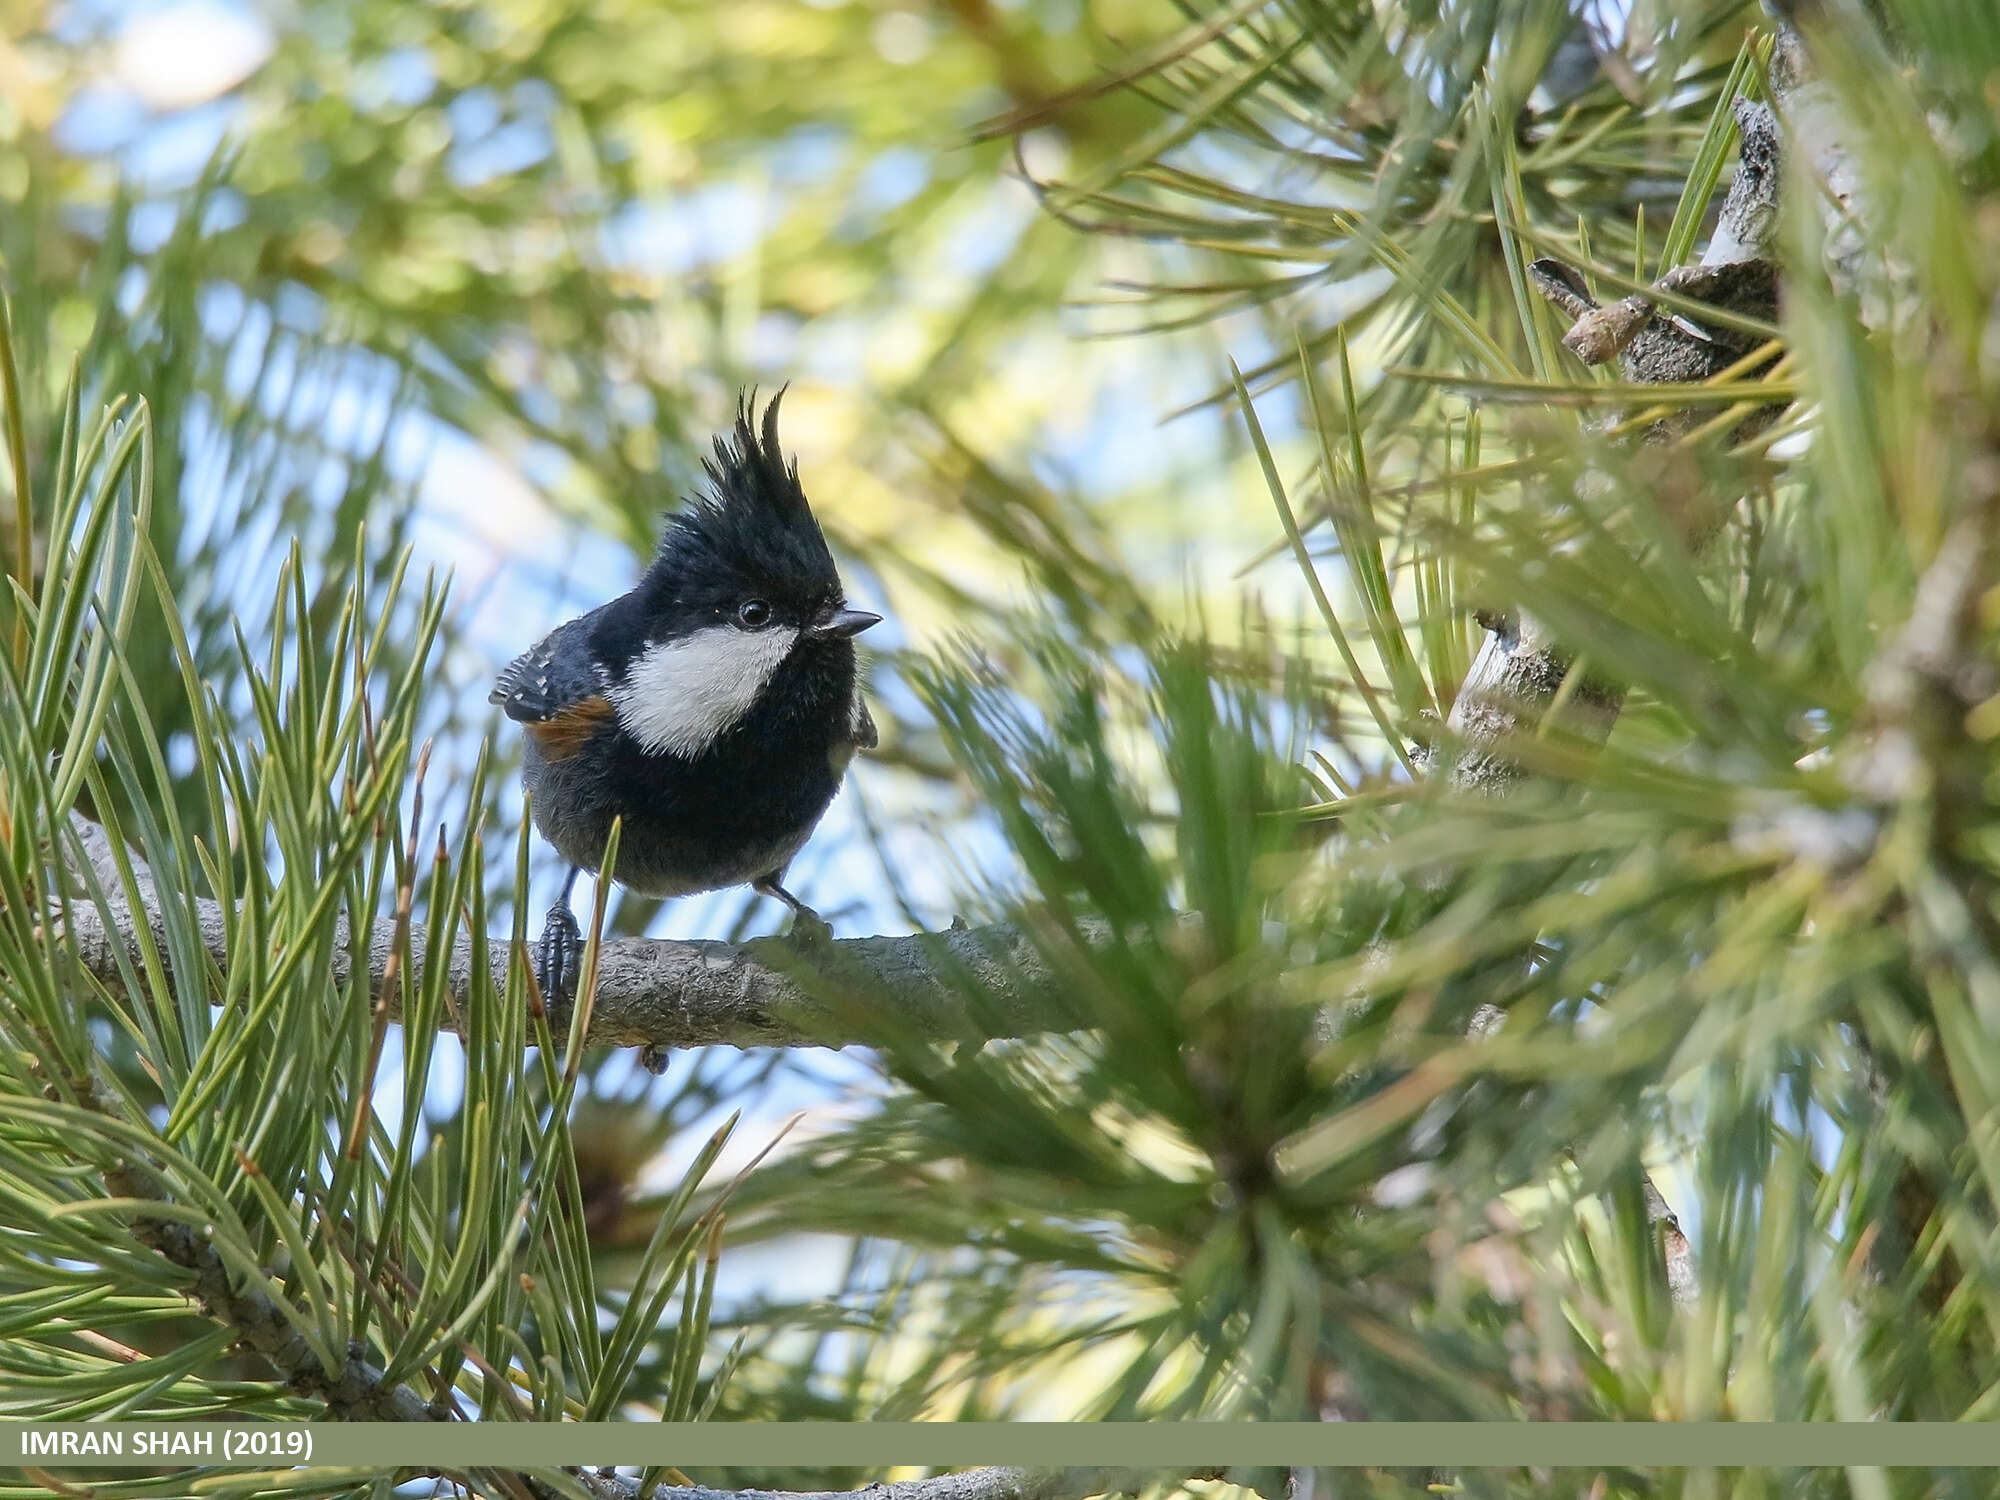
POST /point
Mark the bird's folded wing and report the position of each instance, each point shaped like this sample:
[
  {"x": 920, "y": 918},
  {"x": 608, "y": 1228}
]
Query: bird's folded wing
[
  {"x": 551, "y": 679},
  {"x": 863, "y": 729}
]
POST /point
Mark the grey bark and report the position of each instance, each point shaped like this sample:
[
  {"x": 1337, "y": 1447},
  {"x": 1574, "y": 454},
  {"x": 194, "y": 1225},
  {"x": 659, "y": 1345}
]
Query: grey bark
[
  {"x": 963, "y": 983},
  {"x": 1821, "y": 136}
]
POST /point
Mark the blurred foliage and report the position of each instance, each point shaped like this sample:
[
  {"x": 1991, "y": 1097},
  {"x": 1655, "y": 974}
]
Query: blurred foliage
[
  {"x": 1750, "y": 944},
  {"x": 443, "y": 268},
  {"x": 577, "y": 232}
]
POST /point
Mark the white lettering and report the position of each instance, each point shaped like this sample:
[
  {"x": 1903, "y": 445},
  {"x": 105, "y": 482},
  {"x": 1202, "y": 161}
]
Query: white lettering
[{"x": 73, "y": 1442}]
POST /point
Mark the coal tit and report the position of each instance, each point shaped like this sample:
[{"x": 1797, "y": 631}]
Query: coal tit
[{"x": 713, "y": 708}]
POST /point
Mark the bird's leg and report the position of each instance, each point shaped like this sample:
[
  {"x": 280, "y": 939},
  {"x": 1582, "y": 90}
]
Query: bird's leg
[
  {"x": 560, "y": 952},
  {"x": 809, "y": 928}
]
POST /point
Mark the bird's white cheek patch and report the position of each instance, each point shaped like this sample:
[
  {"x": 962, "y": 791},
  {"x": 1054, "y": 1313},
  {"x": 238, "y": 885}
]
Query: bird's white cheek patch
[{"x": 679, "y": 695}]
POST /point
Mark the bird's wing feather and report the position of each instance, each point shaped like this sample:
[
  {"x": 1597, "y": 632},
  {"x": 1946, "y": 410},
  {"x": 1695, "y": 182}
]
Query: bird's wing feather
[
  {"x": 555, "y": 676},
  {"x": 863, "y": 730}
]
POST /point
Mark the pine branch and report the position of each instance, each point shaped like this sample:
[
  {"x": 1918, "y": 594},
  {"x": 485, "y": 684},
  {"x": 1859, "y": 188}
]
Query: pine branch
[
  {"x": 659, "y": 993},
  {"x": 359, "y": 1391},
  {"x": 356, "y": 1392},
  {"x": 667, "y": 994},
  {"x": 1515, "y": 678},
  {"x": 1520, "y": 670}
]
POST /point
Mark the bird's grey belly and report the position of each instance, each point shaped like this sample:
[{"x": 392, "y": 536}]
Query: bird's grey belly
[
  {"x": 665, "y": 867},
  {"x": 659, "y": 853}
]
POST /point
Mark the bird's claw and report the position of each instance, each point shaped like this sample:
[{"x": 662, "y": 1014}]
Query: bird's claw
[
  {"x": 558, "y": 956},
  {"x": 809, "y": 930}
]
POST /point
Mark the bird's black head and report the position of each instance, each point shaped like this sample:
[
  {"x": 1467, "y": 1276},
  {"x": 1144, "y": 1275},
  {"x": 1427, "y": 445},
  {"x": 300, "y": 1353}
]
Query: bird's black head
[
  {"x": 747, "y": 551},
  {"x": 742, "y": 586}
]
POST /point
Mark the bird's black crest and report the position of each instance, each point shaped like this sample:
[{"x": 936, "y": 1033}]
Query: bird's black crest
[
  {"x": 752, "y": 523},
  {"x": 749, "y": 467}
]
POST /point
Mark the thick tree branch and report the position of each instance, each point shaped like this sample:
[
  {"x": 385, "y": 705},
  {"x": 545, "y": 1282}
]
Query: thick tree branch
[
  {"x": 658, "y": 993},
  {"x": 1824, "y": 138},
  {"x": 1514, "y": 681}
]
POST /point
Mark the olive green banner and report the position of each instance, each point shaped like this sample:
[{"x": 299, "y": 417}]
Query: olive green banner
[{"x": 55, "y": 1445}]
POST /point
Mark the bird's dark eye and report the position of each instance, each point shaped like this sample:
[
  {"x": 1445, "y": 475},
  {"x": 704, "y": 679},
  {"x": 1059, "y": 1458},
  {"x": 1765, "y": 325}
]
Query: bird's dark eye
[{"x": 753, "y": 614}]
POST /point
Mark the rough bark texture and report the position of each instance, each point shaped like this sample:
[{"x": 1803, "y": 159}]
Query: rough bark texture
[{"x": 658, "y": 993}]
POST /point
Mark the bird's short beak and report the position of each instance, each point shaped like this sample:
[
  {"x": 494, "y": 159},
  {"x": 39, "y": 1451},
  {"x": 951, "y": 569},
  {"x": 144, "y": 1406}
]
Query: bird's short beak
[{"x": 842, "y": 623}]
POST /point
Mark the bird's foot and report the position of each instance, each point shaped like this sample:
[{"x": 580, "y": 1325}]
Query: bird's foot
[
  {"x": 654, "y": 1058},
  {"x": 809, "y": 930},
  {"x": 558, "y": 959}
]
